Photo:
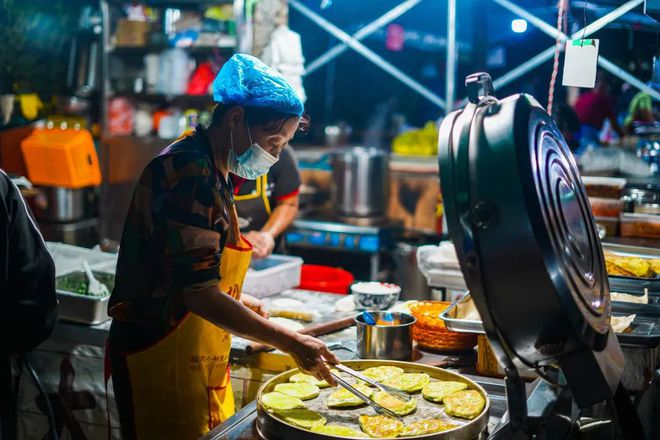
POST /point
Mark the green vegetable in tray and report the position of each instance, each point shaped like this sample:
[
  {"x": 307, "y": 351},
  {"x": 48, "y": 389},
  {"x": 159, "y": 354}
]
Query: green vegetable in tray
[{"x": 76, "y": 282}]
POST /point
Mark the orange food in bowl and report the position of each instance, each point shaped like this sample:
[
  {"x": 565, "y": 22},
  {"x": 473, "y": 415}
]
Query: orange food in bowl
[{"x": 430, "y": 331}]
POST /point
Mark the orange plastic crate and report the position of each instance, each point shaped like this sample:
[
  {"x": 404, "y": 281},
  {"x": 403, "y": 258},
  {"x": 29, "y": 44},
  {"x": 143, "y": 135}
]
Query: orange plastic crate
[{"x": 65, "y": 158}]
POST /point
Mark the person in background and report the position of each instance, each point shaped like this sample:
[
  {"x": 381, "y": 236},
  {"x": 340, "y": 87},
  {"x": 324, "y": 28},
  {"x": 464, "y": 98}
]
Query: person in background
[
  {"x": 268, "y": 205},
  {"x": 28, "y": 305},
  {"x": 640, "y": 111},
  {"x": 593, "y": 108},
  {"x": 182, "y": 262}
]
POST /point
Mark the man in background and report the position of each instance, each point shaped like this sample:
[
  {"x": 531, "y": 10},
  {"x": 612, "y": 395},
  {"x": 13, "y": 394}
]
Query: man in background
[
  {"x": 593, "y": 108},
  {"x": 27, "y": 294}
]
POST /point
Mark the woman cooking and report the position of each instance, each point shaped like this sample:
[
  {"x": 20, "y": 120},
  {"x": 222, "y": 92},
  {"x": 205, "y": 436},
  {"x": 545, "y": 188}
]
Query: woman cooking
[
  {"x": 182, "y": 262},
  {"x": 268, "y": 205}
]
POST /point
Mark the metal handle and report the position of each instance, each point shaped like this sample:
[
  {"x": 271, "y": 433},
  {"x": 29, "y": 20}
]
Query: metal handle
[
  {"x": 401, "y": 395},
  {"x": 476, "y": 83},
  {"x": 379, "y": 409}
]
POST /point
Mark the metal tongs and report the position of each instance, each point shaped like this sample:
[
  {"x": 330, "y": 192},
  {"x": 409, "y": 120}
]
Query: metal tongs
[{"x": 401, "y": 395}]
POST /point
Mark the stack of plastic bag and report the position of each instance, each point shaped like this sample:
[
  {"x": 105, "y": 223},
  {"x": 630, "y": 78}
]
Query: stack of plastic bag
[{"x": 440, "y": 266}]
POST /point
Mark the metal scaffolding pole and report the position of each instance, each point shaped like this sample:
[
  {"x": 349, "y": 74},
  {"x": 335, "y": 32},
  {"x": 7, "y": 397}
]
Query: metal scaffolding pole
[
  {"x": 450, "y": 94},
  {"x": 367, "y": 53},
  {"x": 539, "y": 59},
  {"x": 367, "y": 30},
  {"x": 627, "y": 77}
]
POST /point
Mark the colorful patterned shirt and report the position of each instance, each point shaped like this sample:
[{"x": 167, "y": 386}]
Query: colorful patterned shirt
[{"x": 174, "y": 232}]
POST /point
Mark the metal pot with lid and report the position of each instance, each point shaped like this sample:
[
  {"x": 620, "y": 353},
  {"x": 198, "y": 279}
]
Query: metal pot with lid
[
  {"x": 361, "y": 181},
  {"x": 528, "y": 247}
]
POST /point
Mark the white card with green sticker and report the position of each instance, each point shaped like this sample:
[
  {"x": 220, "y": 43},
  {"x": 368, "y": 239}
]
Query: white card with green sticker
[{"x": 581, "y": 63}]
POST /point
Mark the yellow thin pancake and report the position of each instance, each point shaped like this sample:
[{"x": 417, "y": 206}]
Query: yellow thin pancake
[
  {"x": 381, "y": 426},
  {"x": 302, "y": 377},
  {"x": 436, "y": 391},
  {"x": 390, "y": 402},
  {"x": 380, "y": 374},
  {"x": 427, "y": 426},
  {"x": 344, "y": 398},
  {"x": 409, "y": 382},
  {"x": 466, "y": 404},
  {"x": 302, "y": 390},
  {"x": 303, "y": 418},
  {"x": 339, "y": 431},
  {"x": 281, "y": 402}
]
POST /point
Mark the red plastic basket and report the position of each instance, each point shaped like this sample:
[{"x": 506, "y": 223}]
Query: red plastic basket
[{"x": 325, "y": 279}]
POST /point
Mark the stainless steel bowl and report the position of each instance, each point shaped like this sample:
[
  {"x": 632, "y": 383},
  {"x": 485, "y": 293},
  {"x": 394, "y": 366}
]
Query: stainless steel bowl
[{"x": 385, "y": 341}]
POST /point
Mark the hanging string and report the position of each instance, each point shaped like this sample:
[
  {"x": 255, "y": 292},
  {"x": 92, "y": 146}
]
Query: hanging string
[
  {"x": 584, "y": 20},
  {"x": 561, "y": 26}
]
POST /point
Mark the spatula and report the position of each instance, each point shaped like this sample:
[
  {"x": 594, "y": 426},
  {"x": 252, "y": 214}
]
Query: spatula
[{"x": 95, "y": 287}]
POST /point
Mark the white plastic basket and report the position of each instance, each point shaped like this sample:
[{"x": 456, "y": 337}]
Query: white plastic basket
[{"x": 273, "y": 274}]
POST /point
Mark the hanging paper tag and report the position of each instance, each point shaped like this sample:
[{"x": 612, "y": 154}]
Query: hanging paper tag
[{"x": 580, "y": 63}]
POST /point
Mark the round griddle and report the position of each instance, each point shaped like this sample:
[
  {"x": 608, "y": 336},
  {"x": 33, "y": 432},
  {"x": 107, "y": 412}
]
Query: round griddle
[
  {"x": 520, "y": 220},
  {"x": 270, "y": 427}
]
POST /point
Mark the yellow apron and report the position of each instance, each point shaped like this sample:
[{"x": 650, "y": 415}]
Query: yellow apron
[{"x": 180, "y": 385}]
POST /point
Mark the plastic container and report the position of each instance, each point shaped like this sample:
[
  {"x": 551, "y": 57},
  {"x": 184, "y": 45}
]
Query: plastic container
[
  {"x": 605, "y": 187},
  {"x": 272, "y": 275},
  {"x": 640, "y": 225},
  {"x": 85, "y": 309},
  {"x": 611, "y": 225},
  {"x": 65, "y": 158},
  {"x": 325, "y": 279},
  {"x": 601, "y": 207}
]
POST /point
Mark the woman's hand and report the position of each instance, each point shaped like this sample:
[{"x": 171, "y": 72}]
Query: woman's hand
[
  {"x": 263, "y": 243},
  {"x": 254, "y": 304},
  {"x": 310, "y": 354}
]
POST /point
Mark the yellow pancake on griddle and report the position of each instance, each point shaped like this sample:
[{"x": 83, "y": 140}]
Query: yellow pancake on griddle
[
  {"x": 380, "y": 374},
  {"x": 307, "y": 378},
  {"x": 409, "y": 382},
  {"x": 381, "y": 426},
  {"x": 343, "y": 398},
  {"x": 398, "y": 406},
  {"x": 303, "y": 418},
  {"x": 339, "y": 431},
  {"x": 436, "y": 391},
  {"x": 301, "y": 390},
  {"x": 281, "y": 402},
  {"x": 466, "y": 404},
  {"x": 427, "y": 426}
]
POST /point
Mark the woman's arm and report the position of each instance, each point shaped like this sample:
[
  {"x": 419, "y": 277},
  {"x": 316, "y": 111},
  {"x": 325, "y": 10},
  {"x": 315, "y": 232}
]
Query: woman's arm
[
  {"x": 229, "y": 314},
  {"x": 283, "y": 215}
]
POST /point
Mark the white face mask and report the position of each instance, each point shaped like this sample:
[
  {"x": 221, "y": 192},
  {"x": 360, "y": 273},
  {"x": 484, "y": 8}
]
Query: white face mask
[{"x": 253, "y": 163}]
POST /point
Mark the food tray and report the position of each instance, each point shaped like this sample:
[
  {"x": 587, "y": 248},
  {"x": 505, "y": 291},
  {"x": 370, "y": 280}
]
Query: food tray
[
  {"x": 272, "y": 428},
  {"x": 636, "y": 286},
  {"x": 272, "y": 275},
  {"x": 645, "y": 331},
  {"x": 82, "y": 308},
  {"x": 460, "y": 325},
  {"x": 633, "y": 251}
]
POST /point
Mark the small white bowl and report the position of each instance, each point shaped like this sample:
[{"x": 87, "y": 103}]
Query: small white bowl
[{"x": 375, "y": 295}]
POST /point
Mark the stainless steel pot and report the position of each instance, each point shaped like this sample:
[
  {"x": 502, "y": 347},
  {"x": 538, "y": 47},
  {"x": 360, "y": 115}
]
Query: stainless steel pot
[
  {"x": 385, "y": 341},
  {"x": 361, "y": 181},
  {"x": 64, "y": 204}
]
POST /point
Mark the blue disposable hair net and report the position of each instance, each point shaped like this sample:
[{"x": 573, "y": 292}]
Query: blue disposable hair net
[{"x": 247, "y": 81}]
